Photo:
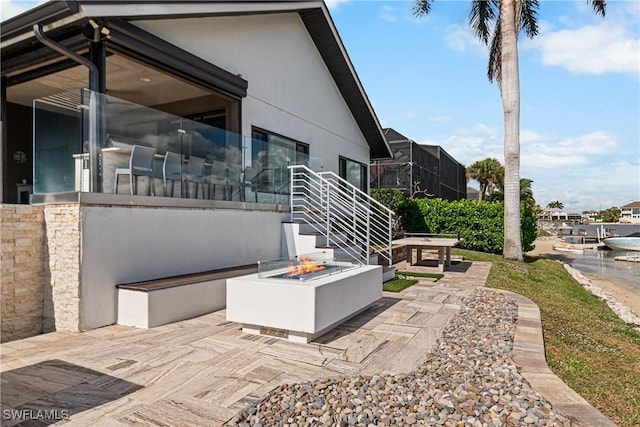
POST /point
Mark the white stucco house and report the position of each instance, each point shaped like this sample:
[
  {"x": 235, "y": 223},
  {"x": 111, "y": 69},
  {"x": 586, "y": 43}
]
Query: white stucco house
[
  {"x": 246, "y": 88},
  {"x": 630, "y": 212}
]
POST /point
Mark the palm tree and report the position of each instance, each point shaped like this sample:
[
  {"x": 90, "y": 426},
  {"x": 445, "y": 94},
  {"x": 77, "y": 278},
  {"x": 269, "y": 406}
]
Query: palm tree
[
  {"x": 555, "y": 204},
  {"x": 488, "y": 173},
  {"x": 497, "y": 24},
  {"x": 526, "y": 192}
]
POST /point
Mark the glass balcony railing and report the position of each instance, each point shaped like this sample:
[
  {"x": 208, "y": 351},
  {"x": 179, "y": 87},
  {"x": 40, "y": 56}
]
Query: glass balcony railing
[{"x": 90, "y": 142}]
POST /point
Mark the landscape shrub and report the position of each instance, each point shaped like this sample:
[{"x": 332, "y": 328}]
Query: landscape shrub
[{"x": 479, "y": 224}]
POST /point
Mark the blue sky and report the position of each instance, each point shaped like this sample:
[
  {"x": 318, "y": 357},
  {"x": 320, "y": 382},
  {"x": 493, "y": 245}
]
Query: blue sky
[{"x": 580, "y": 90}]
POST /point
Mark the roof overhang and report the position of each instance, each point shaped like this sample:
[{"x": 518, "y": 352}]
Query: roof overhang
[{"x": 59, "y": 15}]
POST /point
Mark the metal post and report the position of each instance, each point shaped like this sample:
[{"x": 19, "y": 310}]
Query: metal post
[
  {"x": 390, "y": 221},
  {"x": 368, "y": 244},
  {"x": 355, "y": 225},
  {"x": 328, "y": 213},
  {"x": 291, "y": 175}
]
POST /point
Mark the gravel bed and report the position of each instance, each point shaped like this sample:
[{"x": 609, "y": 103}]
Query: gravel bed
[{"x": 468, "y": 379}]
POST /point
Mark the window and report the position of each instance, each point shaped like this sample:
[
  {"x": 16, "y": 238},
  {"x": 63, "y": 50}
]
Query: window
[
  {"x": 271, "y": 154},
  {"x": 353, "y": 172},
  {"x": 269, "y": 150}
]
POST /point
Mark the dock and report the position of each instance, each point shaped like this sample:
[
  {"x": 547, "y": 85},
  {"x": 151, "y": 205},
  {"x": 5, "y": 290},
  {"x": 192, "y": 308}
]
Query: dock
[{"x": 628, "y": 258}]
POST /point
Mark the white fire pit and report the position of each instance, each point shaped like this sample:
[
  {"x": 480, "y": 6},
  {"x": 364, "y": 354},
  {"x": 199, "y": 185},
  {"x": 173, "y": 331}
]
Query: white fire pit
[{"x": 305, "y": 305}]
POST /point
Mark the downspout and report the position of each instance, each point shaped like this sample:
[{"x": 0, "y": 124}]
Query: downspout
[
  {"x": 93, "y": 75},
  {"x": 94, "y": 82}
]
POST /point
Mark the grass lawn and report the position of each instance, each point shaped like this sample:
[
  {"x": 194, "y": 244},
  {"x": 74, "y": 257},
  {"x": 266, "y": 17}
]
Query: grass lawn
[
  {"x": 586, "y": 344},
  {"x": 436, "y": 276},
  {"x": 543, "y": 233},
  {"x": 398, "y": 285}
]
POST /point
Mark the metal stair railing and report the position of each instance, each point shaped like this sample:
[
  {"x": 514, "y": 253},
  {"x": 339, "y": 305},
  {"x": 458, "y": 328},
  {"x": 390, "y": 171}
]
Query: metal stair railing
[{"x": 347, "y": 217}]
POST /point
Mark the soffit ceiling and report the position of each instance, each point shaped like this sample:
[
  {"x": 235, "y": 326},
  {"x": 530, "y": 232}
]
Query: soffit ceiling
[{"x": 126, "y": 79}]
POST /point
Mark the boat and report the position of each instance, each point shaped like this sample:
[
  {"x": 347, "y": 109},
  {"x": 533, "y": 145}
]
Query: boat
[
  {"x": 626, "y": 243},
  {"x": 567, "y": 247}
]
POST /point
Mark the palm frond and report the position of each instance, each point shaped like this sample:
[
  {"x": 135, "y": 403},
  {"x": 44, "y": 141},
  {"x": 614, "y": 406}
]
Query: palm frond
[
  {"x": 599, "y": 6},
  {"x": 494, "y": 69},
  {"x": 528, "y": 17},
  {"x": 482, "y": 17},
  {"x": 422, "y": 7}
]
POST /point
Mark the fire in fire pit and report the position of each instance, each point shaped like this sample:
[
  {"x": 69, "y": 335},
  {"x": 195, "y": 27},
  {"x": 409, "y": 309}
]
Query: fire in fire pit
[
  {"x": 307, "y": 266},
  {"x": 302, "y": 268}
]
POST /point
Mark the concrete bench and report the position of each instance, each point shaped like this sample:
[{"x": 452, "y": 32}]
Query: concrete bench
[{"x": 157, "y": 302}]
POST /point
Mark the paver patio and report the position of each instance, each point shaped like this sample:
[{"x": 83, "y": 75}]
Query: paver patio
[{"x": 202, "y": 371}]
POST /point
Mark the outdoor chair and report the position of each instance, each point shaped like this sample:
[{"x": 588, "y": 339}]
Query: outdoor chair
[
  {"x": 195, "y": 174},
  {"x": 140, "y": 164},
  {"x": 171, "y": 171},
  {"x": 219, "y": 177}
]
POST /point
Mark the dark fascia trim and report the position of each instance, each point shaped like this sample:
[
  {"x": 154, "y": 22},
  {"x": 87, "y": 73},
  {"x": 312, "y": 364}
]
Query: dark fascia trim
[
  {"x": 51, "y": 11},
  {"x": 30, "y": 54},
  {"x": 42, "y": 71},
  {"x": 319, "y": 27},
  {"x": 134, "y": 41}
]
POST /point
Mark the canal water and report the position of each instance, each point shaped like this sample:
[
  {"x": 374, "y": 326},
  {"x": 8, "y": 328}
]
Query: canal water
[{"x": 602, "y": 262}]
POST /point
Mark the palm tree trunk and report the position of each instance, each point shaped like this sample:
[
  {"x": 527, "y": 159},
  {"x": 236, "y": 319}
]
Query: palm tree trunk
[{"x": 510, "y": 90}]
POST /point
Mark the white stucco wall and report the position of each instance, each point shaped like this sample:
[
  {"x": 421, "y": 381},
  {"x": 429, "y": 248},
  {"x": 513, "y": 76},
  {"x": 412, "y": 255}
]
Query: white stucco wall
[
  {"x": 291, "y": 91},
  {"x": 123, "y": 245}
]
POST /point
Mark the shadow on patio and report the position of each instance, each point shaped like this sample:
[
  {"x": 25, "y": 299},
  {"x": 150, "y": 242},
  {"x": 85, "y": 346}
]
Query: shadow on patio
[{"x": 54, "y": 390}]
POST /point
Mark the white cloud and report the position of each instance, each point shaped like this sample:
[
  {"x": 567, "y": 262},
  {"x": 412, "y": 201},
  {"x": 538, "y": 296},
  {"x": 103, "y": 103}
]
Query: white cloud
[
  {"x": 633, "y": 9},
  {"x": 409, "y": 115},
  {"x": 545, "y": 151},
  {"x": 583, "y": 172},
  {"x": 388, "y": 14},
  {"x": 11, "y": 8},
  {"x": 595, "y": 187},
  {"x": 334, "y": 4},
  {"x": 594, "y": 49},
  {"x": 486, "y": 129},
  {"x": 529, "y": 136},
  {"x": 461, "y": 39},
  {"x": 589, "y": 171},
  {"x": 604, "y": 45},
  {"x": 468, "y": 149},
  {"x": 479, "y": 128},
  {"x": 440, "y": 118}
]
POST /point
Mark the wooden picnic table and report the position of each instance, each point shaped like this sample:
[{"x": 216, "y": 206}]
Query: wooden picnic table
[{"x": 442, "y": 244}]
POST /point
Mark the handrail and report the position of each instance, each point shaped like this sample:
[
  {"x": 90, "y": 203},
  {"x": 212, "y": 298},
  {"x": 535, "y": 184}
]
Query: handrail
[
  {"x": 366, "y": 196},
  {"x": 349, "y": 218}
]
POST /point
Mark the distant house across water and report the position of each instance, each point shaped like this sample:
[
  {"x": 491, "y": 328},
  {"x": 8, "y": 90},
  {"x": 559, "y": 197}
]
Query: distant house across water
[
  {"x": 630, "y": 212},
  {"x": 557, "y": 214}
]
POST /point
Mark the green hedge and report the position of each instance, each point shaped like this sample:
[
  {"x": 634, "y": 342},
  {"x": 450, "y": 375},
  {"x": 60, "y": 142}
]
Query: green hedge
[{"x": 479, "y": 224}]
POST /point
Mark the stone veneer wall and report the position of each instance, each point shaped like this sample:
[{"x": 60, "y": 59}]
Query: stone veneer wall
[
  {"x": 21, "y": 275},
  {"x": 62, "y": 268}
]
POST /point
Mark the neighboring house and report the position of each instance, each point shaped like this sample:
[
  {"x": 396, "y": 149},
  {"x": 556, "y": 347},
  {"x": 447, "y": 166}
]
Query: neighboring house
[
  {"x": 419, "y": 169},
  {"x": 249, "y": 87},
  {"x": 630, "y": 212},
  {"x": 557, "y": 214},
  {"x": 472, "y": 193},
  {"x": 592, "y": 216}
]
